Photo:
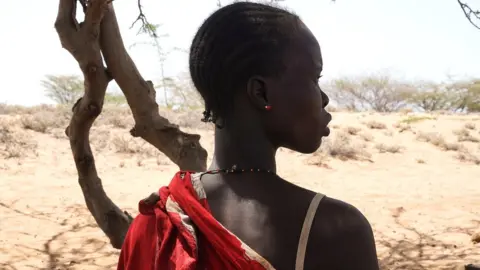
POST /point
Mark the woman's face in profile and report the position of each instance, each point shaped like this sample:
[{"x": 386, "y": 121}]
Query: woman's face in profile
[{"x": 298, "y": 118}]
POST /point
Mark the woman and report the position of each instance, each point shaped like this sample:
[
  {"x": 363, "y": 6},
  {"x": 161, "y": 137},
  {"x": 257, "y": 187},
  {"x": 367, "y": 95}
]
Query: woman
[{"x": 257, "y": 69}]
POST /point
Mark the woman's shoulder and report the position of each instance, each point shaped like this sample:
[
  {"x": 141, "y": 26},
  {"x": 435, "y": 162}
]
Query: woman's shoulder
[
  {"x": 342, "y": 231},
  {"x": 341, "y": 213}
]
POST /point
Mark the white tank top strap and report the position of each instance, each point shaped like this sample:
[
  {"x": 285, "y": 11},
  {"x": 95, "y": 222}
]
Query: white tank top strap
[{"x": 307, "y": 224}]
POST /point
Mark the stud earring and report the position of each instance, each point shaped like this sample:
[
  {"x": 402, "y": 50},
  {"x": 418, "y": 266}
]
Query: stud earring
[{"x": 268, "y": 107}]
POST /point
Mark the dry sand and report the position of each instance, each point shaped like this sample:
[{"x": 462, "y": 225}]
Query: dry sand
[{"x": 422, "y": 200}]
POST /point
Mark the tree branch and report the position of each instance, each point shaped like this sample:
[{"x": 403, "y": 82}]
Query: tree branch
[
  {"x": 182, "y": 148},
  {"x": 82, "y": 41},
  {"x": 146, "y": 26},
  {"x": 470, "y": 14}
]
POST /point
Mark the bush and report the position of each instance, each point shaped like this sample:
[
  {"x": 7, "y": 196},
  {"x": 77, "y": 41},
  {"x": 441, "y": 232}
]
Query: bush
[
  {"x": 14, "y": 142},
  {"x": 438, "y": 141},
  {"x": 375, "y": 125},
  {"x": 384, "y": 148},
  {"x": 342, "y": 147}
]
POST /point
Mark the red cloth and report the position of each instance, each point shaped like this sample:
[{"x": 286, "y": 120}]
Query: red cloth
[{"x": 180, "y": 233}]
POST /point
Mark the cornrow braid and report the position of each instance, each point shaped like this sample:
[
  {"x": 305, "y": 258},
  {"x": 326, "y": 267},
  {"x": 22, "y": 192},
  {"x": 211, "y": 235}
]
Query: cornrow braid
[{"x": 236, "y": 42}]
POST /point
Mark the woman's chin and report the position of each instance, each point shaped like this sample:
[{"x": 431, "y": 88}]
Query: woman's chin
[{"x": 308, "y": 148}]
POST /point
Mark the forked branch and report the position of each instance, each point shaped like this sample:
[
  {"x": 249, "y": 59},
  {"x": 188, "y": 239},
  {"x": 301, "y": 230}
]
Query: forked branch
[
  {"x": 182, "y": 148},
  {"x": 86, "y": 42},
  {"x": 82, "y": 41}
]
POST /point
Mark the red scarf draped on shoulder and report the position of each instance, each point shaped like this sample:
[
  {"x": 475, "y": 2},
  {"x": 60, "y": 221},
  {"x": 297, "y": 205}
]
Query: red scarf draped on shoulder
[{"x": 179, "y": 233}]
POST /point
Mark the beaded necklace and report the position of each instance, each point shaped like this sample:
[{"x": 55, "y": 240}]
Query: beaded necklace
[{"x": 235, "y": 170}]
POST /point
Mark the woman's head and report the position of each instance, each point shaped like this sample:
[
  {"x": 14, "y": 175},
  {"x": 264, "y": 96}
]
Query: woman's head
[{"x": 261, "y": 62}]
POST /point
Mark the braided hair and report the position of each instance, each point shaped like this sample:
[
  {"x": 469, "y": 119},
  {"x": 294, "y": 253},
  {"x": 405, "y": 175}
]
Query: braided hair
[{"x": 237, "y": 42}]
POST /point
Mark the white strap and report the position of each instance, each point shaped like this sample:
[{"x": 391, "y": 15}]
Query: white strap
[{"x": 307, "y": 224}]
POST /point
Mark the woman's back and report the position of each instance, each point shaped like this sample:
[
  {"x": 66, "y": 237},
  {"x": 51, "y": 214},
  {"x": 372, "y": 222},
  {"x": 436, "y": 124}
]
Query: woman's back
[{"x": 270, "y": 217}]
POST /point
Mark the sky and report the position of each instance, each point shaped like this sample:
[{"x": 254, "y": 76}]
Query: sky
[{"x": 410, "y": 39}]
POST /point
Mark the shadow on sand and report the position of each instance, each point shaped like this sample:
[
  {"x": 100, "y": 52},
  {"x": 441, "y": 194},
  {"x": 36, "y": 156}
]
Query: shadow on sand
[
  {"x": 69, "y": 248},
  {"x": 420, "y": 251}
]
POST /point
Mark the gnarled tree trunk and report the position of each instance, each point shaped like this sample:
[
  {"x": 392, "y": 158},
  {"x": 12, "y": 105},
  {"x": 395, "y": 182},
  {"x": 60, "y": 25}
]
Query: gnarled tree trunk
[{"x": 90, "y": 42}]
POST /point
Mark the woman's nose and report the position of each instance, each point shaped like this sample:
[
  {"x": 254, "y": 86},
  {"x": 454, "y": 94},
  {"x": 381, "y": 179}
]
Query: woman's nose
[{"x": 325, "y": 99}]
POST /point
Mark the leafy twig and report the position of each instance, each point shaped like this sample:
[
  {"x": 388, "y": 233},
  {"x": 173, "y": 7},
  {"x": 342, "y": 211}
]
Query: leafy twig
[
  {"x": 147, "y": 27},
  {"x": 472, "y": 15}
]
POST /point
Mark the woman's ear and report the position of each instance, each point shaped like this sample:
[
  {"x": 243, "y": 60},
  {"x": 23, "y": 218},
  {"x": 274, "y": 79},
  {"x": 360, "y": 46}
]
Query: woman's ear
[{"x": 257, "y": 88}]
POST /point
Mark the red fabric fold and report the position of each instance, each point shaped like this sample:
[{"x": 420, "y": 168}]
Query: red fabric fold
[{"x": 180, "y": 233}]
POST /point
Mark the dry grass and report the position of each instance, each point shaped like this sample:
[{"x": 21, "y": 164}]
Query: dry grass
[
  {"x": 467, "y": 156},
  {"x": 341, "y": 147},
  {"x": 427, "y": 182},
  {"x": 402, "y": 127},
  {"x": 416, "y": 119},
  {"x": 470, "y": 126},
  {"x": 421, "y": 161},
  {"x": 384, "y": 148},
  {"x": 110, "y": 133},
  {"x": 439, "y": 141},
  {"x": 117, "y": 117},
  {"x": 464, "y": 135},
  {"x": 100, "y": 138},
  {"x": 373, "y": 124},
  {"x": 129, "y": 145},
  {"x": 15, "y": 142},
  {"x": 388, "y": 133},
  {"x": 352, "y": 130},
  {"x": 367, "y": 137}
]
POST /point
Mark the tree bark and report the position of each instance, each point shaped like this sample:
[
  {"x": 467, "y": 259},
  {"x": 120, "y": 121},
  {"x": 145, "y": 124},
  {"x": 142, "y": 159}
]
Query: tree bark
[
  {"x": 85, "y": 42},
  {"x": 182, "y": 148}
]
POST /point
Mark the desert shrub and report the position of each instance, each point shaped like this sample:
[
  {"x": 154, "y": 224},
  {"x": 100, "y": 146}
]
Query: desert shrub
[
  {"x": 130, "y": 145},
  {"x": 388, "y": 133},
  {"x": 42, "y": 121},
  {"x": 342, "y": 147},
  {"x": 467, "y": 156},
  {"x": 100, "y": 138},
  {"x": 464, "y": 135},
  {"x": 352, "y": 130},
  {"x": 375, "y": 125},
  {"x": 402, "y": 127},
  {"x": 439, "y": 141},
  {"x": 470, "y": 126},
  {"x": 384, "y": 148},
  {"x": 367, "y": 137},
  {"x": 118, "y": 121},
  {"x": 15, "y": 142},
  {"x": 116, "y": 116}
]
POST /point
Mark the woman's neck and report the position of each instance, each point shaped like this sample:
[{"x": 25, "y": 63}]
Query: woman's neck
[{"x": 244, "y": 149}]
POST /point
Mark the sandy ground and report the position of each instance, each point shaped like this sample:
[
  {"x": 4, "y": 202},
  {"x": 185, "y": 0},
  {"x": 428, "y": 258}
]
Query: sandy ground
[{"x": 422, "y": 201}]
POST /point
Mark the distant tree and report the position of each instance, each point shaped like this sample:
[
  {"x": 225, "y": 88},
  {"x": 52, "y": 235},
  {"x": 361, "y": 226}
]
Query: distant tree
[
  {"x": 473, "y": 104},
  {"x": 183, "y": 94},
  {"x": 67, "y": 89},
  {"x": 63, "y": 89},
  {"x": 467, "y": 95},
  {"x": 381, "y": 93},
  {"x": 459, "y": 96},
  {"x": 115, "y": 98},
  {"x": 431, "y": 96}
]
